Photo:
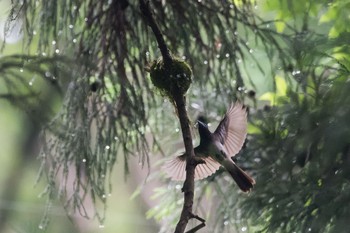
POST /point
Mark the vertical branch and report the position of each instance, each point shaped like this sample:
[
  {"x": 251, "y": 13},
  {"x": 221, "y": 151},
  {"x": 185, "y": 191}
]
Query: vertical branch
[
  {"x": 180, "y": 104},
  {"x": 188, "y": 187},
  {"x": 146, "y": 12}
]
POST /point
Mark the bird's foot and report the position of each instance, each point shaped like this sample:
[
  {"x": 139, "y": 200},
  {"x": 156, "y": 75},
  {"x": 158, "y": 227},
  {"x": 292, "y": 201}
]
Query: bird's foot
[{"x": 197, "y": 160}]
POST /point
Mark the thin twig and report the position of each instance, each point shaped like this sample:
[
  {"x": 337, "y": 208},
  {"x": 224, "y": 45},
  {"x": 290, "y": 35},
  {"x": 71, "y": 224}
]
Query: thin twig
[
  {"x": 197, "y": 217},
  {"x": 180, "y": 104},
  {"x": 18, "y": 97},
  {"x": 196, "y": 228}
]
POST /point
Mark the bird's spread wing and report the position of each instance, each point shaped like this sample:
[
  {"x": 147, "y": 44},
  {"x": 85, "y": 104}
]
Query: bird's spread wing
[
  {"x": 232, "y": 130},
  {"x": 176, "y": 168}
]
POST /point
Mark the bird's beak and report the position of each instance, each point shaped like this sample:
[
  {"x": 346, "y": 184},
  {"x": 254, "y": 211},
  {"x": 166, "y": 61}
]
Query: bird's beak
[{"x": 202, "y": 124}]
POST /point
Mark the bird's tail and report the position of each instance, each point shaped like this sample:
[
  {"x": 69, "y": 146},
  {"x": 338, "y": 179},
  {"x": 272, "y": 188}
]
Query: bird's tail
[{"x": 243, "y": 180}]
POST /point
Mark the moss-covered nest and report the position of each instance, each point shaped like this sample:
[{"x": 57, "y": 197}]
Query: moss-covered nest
[{"x": 176, "y": 78}]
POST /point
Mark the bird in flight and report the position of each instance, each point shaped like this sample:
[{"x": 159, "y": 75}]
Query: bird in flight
[{"x": 216, "y": 149}]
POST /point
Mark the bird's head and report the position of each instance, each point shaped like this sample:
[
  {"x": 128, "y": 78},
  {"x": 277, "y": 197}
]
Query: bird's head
[
  {"x": 203, "y": 129},
  {"x": 202, "y": 122}
]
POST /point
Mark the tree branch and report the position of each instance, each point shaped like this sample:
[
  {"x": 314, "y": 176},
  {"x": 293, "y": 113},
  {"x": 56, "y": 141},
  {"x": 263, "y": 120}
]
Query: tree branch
[
  {"x": 180, "y": 104},
  {"x": 146, "y": 11},
  {"x": 188, "y": 187},
  {"x": 198, "y": 227}
]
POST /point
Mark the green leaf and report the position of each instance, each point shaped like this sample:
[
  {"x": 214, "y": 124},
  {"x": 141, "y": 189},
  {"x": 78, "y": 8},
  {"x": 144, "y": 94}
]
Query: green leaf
[
  {"x": 279, "y": 95},
  {"x": 330, "y": 15},
  {"x": 333, "y": 33},
  {"x": 252, "y": 129},
  {"x": 280, "y": 24},
  {"x": 281, "y": 86},
  {"x": 269, "y": 96},
  {"x": 308, "y": 202}
]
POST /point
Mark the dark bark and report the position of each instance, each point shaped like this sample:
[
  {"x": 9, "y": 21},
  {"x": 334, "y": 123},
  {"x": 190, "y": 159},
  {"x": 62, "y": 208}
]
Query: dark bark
[
  {"x": 146, "y": 12},
  {"x": 188, "y": 187}
]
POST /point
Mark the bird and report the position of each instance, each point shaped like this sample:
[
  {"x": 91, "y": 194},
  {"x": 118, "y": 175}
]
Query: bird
[{"x": 217, "y": 148}]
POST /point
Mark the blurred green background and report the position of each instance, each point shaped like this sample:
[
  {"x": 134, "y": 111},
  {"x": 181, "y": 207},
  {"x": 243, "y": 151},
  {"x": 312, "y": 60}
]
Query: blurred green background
[{"x": 22, "y": 208}]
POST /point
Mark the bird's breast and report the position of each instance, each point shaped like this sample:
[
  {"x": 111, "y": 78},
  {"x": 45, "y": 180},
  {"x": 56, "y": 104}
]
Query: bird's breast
[{"x": 217, "y": 151}]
